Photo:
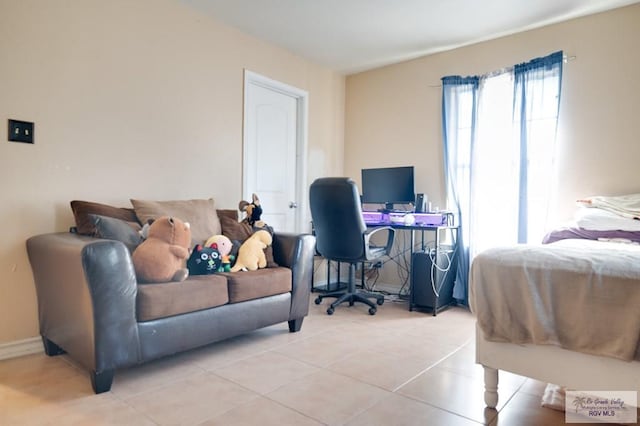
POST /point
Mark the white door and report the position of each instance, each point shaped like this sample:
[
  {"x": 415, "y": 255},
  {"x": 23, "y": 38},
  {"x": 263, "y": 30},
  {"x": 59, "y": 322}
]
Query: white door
[{"x": 274, "y": 143}]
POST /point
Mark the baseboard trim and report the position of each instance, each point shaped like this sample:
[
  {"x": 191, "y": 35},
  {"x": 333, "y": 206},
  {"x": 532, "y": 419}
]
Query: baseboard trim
[{"x": 18, "y": 348}]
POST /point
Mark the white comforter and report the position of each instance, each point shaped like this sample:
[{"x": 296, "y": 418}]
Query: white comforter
[
  {"x": 578, "y": 294},
  {"x": 624, "y": 205}
]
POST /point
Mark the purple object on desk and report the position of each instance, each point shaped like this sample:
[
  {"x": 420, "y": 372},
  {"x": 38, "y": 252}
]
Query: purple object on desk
[
  {"x": 421, "y": 219},
  {"x": 375, "y": 217},
  {"x": 430, "y": 219}
]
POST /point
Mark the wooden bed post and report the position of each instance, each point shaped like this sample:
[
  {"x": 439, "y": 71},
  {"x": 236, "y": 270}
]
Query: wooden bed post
[{"x": 490, "y": 386}]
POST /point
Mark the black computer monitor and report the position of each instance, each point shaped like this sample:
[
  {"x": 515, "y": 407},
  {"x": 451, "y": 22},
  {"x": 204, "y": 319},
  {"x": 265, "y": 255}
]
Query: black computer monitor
[{"x": 388, "y": 186}]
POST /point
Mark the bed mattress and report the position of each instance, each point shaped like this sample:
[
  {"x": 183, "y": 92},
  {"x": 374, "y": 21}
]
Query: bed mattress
[{"x": 580, "y": 295}]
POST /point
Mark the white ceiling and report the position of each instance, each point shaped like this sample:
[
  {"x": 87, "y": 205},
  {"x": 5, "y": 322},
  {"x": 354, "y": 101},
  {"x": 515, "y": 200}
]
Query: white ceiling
[{"x": 354, "y": 35}]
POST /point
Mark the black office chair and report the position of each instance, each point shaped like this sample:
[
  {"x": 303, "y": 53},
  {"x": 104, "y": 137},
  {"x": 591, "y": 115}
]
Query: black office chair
[{"x": 342, "y": 236}]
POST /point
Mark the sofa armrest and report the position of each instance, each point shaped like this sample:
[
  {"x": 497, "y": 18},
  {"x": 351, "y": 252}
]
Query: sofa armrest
[
  {"x": 86, "y": 289},
  {"x": 295, "y": 251}
]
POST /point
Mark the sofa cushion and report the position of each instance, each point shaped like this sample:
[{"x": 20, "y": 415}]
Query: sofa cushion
[
  {"x": 116, "y": 229},
  {"x": 240, "y": 231},
  {"x": 85, "y": 224},
  {"x": 201, "y": 215},
  {"x": 232, "y": 214},
  {"x": 168, "y": 299},
  {"x": 255, "y": 284}
]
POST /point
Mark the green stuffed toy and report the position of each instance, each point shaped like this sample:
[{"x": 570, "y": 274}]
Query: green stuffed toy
[{"x": 224, "y": 246}]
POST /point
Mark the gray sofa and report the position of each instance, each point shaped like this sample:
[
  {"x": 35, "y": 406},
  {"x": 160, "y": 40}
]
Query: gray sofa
[{"x": 91, "y": 307}]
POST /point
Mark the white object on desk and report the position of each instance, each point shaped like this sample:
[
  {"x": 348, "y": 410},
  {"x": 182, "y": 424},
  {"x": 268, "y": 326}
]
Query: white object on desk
[
  {"x": 409, "y": 219},
  {"x": 396, "y": 218}
]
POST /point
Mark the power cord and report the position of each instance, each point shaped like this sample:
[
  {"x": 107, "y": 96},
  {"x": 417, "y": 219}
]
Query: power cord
[{"x": 433, "y": 256}]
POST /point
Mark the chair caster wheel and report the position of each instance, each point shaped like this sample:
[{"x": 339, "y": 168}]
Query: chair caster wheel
[
  {"x": 351, "y": 303},
  {"x": 318, "y": 300},
  {"x": 372, "y": 311},
  {"x": 380, "y": 302},
  {"x": 330, "y": 311}
]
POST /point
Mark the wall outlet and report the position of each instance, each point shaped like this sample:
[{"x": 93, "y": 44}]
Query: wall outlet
[{"x": 20, "y": 131}]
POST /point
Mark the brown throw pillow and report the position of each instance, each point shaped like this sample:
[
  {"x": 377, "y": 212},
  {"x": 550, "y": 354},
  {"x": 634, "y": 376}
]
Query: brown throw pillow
[
  {"x": 201, "y": 215},
  {"x": 235, "y": 230},
  {"x": 85, "y": 224},
  {"x": 233, "y": 214},
  {"x": 240, "y": 231}
]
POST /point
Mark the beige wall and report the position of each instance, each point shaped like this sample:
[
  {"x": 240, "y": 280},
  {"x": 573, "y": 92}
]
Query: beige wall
[
  {"x": 130, "y": 99},
  {"x": 393, "y": 114}
]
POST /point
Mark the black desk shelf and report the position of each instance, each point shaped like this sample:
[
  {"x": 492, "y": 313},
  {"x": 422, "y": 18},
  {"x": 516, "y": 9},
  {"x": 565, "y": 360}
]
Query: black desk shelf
[
  {"x": 336, "y": 285},
  {"x": 329, "y": 286}
]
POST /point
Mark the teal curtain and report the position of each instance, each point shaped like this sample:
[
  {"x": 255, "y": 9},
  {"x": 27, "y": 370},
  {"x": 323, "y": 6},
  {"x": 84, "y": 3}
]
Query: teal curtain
[
  {"x": 458, "y": 124},
  {"x": 531, "y": 80},
  {"x": 498, "y": 154}
]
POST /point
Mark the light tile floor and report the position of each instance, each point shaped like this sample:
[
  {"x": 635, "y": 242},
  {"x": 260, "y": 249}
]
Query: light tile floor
[{"x": 394, "y": 368}]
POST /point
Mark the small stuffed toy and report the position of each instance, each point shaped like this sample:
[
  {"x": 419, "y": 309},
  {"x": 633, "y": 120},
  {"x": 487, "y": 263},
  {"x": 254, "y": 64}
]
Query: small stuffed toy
[
  {"x": 224, "y": 246},
  {"x": 161, "y": 257},
  {"x": 144, "y": 231},
  {"x": 253, "y": 212},
  {"x": 204, "y": 260},
  {"x": 251, "y": 254}
]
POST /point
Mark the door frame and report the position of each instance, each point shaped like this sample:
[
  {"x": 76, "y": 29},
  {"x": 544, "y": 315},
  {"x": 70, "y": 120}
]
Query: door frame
[{"x": 302, "y": 106}]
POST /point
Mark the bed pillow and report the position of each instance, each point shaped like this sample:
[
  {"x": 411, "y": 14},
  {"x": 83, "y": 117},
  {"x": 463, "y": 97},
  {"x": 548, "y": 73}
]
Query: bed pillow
[
  {"x": 201, "y": 215},
  {"x": 240, "y": 231},
  {"x": 85, "y": 224},
  {"x": 116, "y": 229}
]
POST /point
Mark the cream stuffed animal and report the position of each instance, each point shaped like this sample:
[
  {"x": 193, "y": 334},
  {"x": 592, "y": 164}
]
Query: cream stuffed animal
[{"x": 251, "y": 254}]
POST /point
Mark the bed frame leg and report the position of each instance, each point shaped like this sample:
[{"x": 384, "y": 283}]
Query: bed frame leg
[{"x": 490, "y": 387}]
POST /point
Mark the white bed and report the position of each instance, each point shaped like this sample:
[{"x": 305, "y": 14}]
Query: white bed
[
  {"x": 552, "y": 364},
  {"x": 566, "y": 313}
]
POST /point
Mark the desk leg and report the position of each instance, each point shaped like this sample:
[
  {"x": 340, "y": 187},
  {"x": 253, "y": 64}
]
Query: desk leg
[
  {"x": 411, "y": 283},
  {"x": 413, "y": 240}
]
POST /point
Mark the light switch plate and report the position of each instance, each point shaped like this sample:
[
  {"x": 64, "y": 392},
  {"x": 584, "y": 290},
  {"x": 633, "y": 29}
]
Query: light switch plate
[{"x": 20, "y": 131}]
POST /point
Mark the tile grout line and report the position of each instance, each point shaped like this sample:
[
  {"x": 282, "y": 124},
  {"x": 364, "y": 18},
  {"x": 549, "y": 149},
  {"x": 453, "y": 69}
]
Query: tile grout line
[{"x": 432, "y": 366}]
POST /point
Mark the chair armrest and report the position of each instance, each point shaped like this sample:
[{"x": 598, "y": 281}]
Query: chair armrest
[
  {"x": 86, "y": 289},
  {"x": 295, "y": 251},
  {"x": 372, "y": 231}
]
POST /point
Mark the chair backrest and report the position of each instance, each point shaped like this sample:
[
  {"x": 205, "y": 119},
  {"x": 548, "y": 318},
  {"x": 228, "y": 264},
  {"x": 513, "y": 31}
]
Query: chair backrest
[{"x": 337, "y": 219}]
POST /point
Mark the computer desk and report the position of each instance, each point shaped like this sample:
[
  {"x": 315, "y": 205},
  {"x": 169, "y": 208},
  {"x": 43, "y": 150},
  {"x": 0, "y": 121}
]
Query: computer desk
[
  {"x": 401, "y": 225},
  {"x": 413, "y": 229},
  {"x": 422, "y": 229}
]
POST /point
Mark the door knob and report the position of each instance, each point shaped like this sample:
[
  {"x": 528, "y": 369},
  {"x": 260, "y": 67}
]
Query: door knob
[{"x": 293, "y": 205}]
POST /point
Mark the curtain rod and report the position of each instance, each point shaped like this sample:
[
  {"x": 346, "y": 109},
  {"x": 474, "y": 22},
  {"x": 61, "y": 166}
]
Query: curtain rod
[{"x": 565, "y": 59}]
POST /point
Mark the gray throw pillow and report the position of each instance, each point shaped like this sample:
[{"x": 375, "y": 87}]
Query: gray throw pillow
[{"x": 117, "y": 229}]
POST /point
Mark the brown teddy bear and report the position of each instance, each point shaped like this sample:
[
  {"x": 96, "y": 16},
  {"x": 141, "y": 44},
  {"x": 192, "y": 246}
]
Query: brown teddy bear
[
  {"x": 161, "y": 257},
  {"x": 251, "y": 254}
]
